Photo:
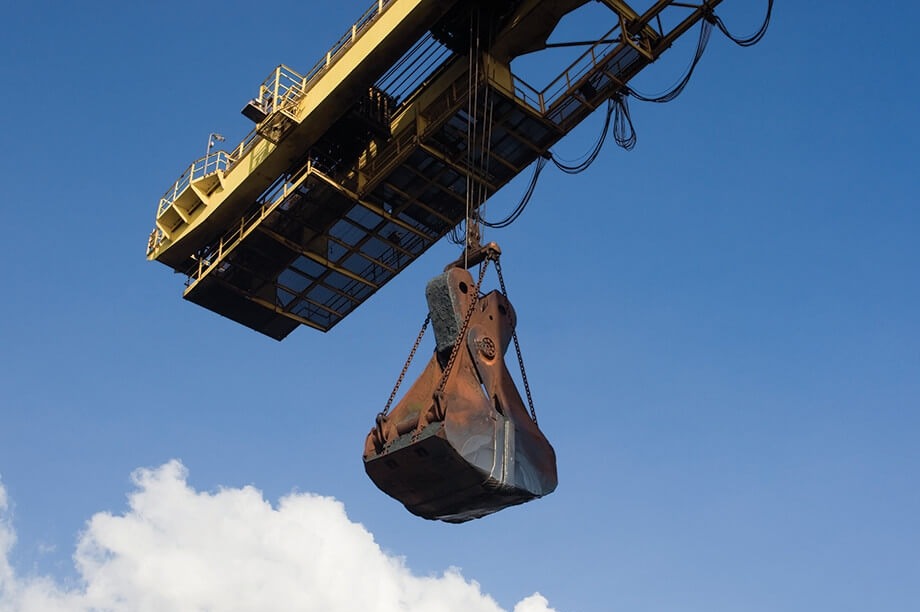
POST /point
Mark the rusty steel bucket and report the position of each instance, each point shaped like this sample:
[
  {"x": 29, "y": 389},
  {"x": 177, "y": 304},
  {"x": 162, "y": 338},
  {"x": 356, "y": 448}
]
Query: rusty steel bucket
[{"x": 462, "y": 446}]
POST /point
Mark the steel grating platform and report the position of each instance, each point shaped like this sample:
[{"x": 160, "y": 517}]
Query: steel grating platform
[
  {"x": 324, "y": 246},
  {"x": 327, "y": 200}
]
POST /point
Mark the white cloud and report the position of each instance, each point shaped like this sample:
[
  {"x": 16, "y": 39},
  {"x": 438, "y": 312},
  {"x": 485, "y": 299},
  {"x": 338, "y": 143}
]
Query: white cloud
[
  {"x": 534, "y": 603},
  {"x": 180, "y": 549},
  {"x": 7, "y": 539}
]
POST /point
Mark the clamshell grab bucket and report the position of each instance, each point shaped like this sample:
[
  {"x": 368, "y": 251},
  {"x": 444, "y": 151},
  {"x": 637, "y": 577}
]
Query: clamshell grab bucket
[{"x": 464, "y": 446}]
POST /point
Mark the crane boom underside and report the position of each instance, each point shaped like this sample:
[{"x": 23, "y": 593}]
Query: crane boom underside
[{"x": 315, "y": 211}]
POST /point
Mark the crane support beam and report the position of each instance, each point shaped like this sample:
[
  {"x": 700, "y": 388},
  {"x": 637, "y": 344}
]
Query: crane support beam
[
  {"x": 634, "y": 22},
  {"x": 358, "y": 167},
  {"x": 323, "y": 261},
  {"x": 689, "y": 21},
  {"x": 307, "y": 105}
]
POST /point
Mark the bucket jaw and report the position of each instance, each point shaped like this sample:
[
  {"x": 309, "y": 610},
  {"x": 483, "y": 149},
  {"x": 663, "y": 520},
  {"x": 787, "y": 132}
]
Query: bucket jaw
[{"x": 461, "y": 445}]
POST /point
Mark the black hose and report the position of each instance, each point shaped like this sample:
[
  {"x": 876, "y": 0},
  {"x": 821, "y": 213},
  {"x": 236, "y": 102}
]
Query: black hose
[
  {"x": 587, "y": 161},
  {"x": 705, "y": 32},
  {"x": 624, "y": 133},
  {"x": 754, "y": 38},
  {"x": 525, "y": 199}
]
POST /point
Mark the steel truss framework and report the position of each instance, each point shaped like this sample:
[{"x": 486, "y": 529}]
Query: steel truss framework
[{"x": 325, "y": 202}]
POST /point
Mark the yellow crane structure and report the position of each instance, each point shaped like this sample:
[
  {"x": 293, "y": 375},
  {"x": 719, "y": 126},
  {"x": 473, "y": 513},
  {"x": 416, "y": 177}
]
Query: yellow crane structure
[
  {"x": 393, "y": 140},
  {"x": 358, "y": 166}
]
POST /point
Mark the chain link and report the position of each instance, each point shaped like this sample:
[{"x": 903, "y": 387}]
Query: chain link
[
  {"x": 405, "y": 369},
  {"x": 466, "y": 323},
  {"x": 455, "y": 350},
  {"x": 517, "y": 347}
]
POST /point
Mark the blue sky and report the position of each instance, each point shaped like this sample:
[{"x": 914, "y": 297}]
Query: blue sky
[{"x": 720, "y": 327}]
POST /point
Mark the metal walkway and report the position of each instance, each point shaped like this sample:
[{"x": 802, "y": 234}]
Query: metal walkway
[{"x": 275, "y": 244}]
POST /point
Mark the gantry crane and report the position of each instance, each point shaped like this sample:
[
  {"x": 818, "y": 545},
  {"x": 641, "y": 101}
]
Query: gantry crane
[
  {"x": 358, "y": 166},
  {"x": 396, "y": 137}
]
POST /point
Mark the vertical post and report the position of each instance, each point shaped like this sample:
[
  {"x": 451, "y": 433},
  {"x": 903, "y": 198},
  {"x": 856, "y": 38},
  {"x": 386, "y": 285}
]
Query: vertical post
[{"x": 277, "y": 81}]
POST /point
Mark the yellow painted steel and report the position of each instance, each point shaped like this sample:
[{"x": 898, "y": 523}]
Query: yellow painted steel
[
  {"x": 202, "y": 207},
  {"x": 219, "y": 213}
]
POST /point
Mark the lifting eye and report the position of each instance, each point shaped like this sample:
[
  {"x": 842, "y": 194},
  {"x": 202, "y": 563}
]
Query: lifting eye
[{"x": 463, "y": 288}]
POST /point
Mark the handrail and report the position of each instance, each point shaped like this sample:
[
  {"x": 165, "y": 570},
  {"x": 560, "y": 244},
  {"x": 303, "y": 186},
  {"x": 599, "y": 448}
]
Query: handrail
[
  {"x": 243, "y": 148},
  {"x": 542, "y": 100},
  {"x": 347, "y": 39},
  {"x": 200, "y": 168},
  {"x": 614, "y": 43},
  {"x": 528, "y": 94},
  {"x": 283, "y": 88},
  {"x": 585, "y": 62},
  {"x": 269, "y": 202}
]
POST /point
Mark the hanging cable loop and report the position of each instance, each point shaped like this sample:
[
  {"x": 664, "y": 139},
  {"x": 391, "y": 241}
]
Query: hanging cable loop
[
  {"x": 676, "y": 90},
  {"x": 525, "y": 199},
  {"x": 618, "y": 115},
  {"x": 624, "y": 132},
  {"x": 709, "y": 20},
  {"x": 590, "y": 157},
  {"x": 753, "y": 39}
]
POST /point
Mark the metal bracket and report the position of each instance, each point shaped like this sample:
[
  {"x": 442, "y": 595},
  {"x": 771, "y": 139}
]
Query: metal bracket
[{"x": 476, "y": 256}]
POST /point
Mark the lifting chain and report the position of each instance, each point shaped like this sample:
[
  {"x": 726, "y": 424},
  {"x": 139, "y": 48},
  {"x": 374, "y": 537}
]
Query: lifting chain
[
  {"x": 517, "y": 347},
  {"x": 453, "y": 353},
  {"x": 455, "y": 350},
  {"x": 405, "y": 369},
  {"x": 466, "y": 324}
]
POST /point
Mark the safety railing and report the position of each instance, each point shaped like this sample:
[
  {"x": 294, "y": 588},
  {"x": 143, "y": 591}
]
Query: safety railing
[
  {"x": 347, "y": 40},
  {"x": 243, "y": 148},
  {"x": 375, "y": 166},
  {"x": 280, "y": 91},
  {"x": 597, "y": 54},
  {"x": 528, "y": 94},
  {"x": 200, "y": 168},
  {"x": 270, "y": 200},
  {"x": 156, "y": 238},
  {"x": 588, "y": 60}
]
